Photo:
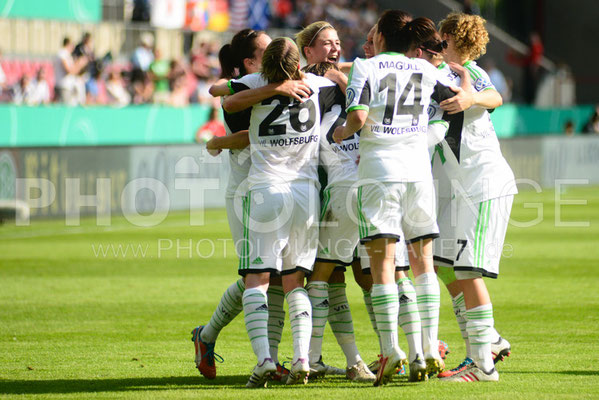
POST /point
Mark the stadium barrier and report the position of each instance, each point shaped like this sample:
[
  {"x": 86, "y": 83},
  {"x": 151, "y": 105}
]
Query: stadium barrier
[
  {"x": 58, "y": 125},
  {"x": 72, "y": 181}
]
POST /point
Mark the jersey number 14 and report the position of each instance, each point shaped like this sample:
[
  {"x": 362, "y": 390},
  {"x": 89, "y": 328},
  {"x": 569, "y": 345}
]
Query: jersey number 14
[{"x": 415, "y": 109}]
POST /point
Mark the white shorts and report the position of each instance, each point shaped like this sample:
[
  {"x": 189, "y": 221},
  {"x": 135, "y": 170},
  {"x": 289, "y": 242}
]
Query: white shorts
[
  {"x": 281, "y": 229},
  {"x": 234, "y": 206},
  {"x": 444, "y": 245},
  {"x": 338, "y": 234},
  {"x": 480, "y": 233},
  {"x": 393, "y": 209}
]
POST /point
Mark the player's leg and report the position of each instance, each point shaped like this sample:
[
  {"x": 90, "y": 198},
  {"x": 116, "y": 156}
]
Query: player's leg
[
  {"x": 266, "y": 235},
  {"x": 483, "y": 229},
  {"x": 420, "y": 228},
  {"x": 379, "y": 216},
  {"x": 318, "y": 291},
  {"x": 230, "y": 305},
  {"x": 298, "y": 259},
  {"x": 276, "y": 322}
]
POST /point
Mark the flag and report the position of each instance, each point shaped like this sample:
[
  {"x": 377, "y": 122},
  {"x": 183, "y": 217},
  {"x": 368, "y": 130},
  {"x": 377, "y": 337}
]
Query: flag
[
  {"x": 259, "y": 17},
  {"x": 238, "y": 15}
]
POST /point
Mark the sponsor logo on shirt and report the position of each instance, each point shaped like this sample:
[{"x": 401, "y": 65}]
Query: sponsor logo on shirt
[
  {"x": 283, "y": 142},
  {"x": 431, "y": 111},
  {"x": 481, "y": 83},
  {"x": 395, "y": 130},
  {"x": 351, "y": 95}
]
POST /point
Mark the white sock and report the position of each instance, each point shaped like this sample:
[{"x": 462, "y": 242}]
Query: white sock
[
  {"x": 494, "y": 335},
  {"x": 276, "y": 319},
  {"x": 255, "y": 309},
  {"x": 385, "y": 303},
  {"x": 409, "y": 317},
  {"x": 459, "y": 309},
  {"x": 342, "y": 324},
  {"x": 428, "y": 296},
  {"x": 300, "y": 317},
  {"x": 370, "y": 311},
  {"x": 479, "y": 326},
  {"x": 228, "y": 308},
  {"x": 318, "y": 291}
]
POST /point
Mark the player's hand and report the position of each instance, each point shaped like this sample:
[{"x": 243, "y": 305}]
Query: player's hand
[
  {"x": 336, "y": 76},
  {"x": 463, "y": 74},
  {"x": 297, "y": 89},
  {"x": 339, "y": 134},
  {"x": 463, "y": 100},
  {"x": 212, "y": 149}
]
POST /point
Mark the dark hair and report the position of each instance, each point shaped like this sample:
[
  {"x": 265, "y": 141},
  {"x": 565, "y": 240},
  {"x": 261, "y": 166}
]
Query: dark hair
[
  {"x": 66, "y": 41},
  {"x": 390, "y": 25},
  {"x": 422, "y": 33},
  {"x": 231, "y": 55},
  {"x": 320, "y": 68},
  {"x": 281, "y": 61}
]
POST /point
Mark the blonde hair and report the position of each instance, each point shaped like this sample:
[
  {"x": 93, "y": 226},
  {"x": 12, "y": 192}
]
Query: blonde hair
[
  {"x": 281, "y": 61},
  {"x": 306, "y": 36},
  {"x": 469, "y": 34}
]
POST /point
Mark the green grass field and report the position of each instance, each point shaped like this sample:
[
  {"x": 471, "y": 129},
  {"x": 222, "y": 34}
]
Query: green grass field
[{"x": 75, "y": 323}]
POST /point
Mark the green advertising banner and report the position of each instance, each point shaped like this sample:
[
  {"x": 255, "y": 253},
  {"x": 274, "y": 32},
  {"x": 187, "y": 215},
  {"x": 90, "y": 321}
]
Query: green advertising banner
[
  {"x": 69, "y": 10},
  {"x": 57, "y": 125}
]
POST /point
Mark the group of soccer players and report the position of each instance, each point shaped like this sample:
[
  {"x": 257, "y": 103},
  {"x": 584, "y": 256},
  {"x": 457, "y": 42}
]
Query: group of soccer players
[{"x": 417, "y": 96}]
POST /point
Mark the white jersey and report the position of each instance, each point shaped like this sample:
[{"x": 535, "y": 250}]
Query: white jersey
[
  {"x": 396, "y": 91},
  {"x": 470, "y": 153},
  {"x": 239, "y": 159},
  {"x": 338, "y": 160},
  {"x": 284, "y": 133}
]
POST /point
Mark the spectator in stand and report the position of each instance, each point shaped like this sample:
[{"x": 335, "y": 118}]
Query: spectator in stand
[
  {"x": 92, "y": 89},
  {"x": 498, "y": 80},
  {"x": 2, "y": 80},
  {"x": 142, "y": 58},
  {"x": 69, "y": 88},
  {"x": 592, "y": 126},
  {"x": 214, "y": 127},
  {"x": 158, "y": 73},
  {"x": 205, "y": 66},
  {"x": 85, "y": 49},
  {"x": 116, "y": 91},
  {"x": 22, "y": 92},
  {"x": 41, "y": 89},
  {"x": 531, "y": 62},
  {"x": 141, "y": 11},
  {"x": 569, "y": 128},
  {"x": 177, "y": 77}
]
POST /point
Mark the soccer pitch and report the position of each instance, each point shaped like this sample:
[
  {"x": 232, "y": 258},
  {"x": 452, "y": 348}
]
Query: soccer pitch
[{"x": 80, "y": 319}]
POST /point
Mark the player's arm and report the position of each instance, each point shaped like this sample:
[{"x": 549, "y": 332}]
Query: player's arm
[
  {"x": 241, "y": 100},
  {"x": 354, "y": 122},
  {"x": 345, "y": 67},
  {"x": 238, "y": 140},
  {"x": 220, "y": 88},
  {"x": 338, "y": 77},
  {"x": 358, "y": 101},
  {"x": 465, "y": 98}
]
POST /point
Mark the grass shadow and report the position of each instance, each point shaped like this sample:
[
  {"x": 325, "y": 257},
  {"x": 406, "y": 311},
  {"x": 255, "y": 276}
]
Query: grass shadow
[{"x": 64, "y": 386}]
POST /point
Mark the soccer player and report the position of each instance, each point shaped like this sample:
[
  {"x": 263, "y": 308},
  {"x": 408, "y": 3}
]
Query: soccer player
[
  {"x": 478, "y": 184},
  {"x": 241, "y": 57},
  {"x": 281, "y": 210},
  {"x": 338, "y": 235},
  {"x": 387, "y": 97}
]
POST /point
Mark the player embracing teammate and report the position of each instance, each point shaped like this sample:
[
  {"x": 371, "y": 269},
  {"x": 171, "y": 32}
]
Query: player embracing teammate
[{"x": 387, "y": 99}]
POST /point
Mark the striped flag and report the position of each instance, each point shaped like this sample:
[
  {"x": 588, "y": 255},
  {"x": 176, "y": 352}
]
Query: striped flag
[{"x": 239, "y": 15}]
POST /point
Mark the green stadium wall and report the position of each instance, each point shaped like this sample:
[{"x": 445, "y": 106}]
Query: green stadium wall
[
  {"x": 58, "y": 125},
  {"x": 66, "y": 10}
]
